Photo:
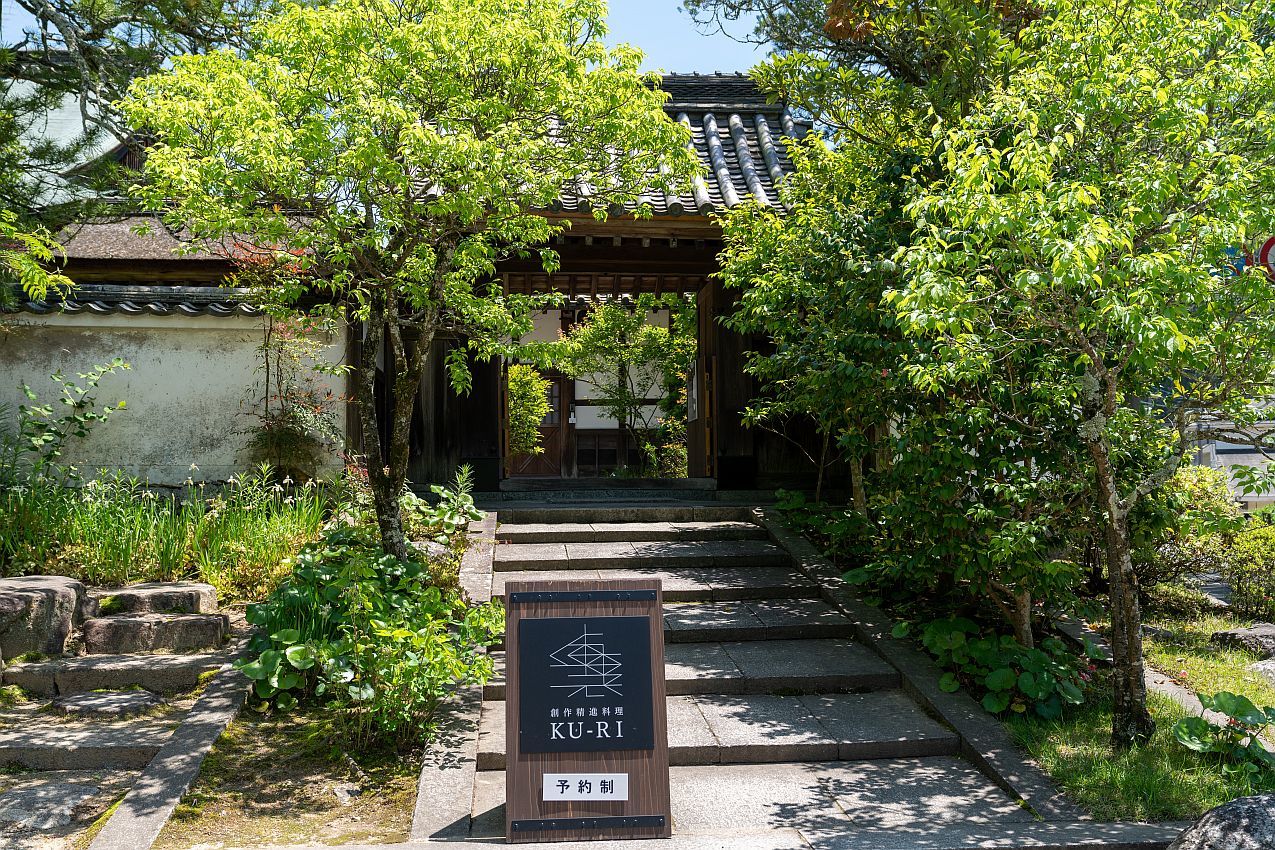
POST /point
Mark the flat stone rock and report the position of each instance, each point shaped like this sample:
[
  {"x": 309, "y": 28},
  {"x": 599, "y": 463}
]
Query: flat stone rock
[
  {"x": 1259, "y": 640},
  {"x": 1244, "y": 824},
  {"x": 85, "y": 745},
  {"x": 156, "y": 597},
  {"x": 132, "y": 633},
  {"x": 107, "y": 704},
  {"x": 38, "y": 613},
  {"x": 43, "y": 807},
  {"x": 164, "y": 674},
  {"x": 1265, "y": 669}
]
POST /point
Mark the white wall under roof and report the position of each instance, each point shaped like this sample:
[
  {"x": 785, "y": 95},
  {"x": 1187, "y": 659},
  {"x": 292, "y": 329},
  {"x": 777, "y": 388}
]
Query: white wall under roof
[{"x": 187, "y": 392}]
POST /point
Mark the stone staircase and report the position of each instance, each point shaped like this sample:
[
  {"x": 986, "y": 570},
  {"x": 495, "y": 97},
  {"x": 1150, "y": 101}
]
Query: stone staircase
[
  {"x": 84, "y": 726},
  {"x": 778, "y": 719}
]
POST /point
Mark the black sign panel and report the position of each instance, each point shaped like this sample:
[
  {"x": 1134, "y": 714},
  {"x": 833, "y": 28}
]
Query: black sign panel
[{"x": 585, "y": 684}]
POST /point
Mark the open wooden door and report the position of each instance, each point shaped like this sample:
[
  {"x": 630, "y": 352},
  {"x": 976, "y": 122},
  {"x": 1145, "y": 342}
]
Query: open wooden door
[{"x": 553, "y": 436}]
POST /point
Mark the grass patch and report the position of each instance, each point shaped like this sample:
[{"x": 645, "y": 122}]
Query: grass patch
[
  {"x": 1162, "y": 781},
  {"x": 271, "y": 780},
  {"x": 1187, "y": 655}
]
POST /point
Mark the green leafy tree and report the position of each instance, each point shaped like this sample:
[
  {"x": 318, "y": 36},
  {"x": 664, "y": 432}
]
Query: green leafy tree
[
  {"x": 527, "y": 399},
  {"x": 1089, "y": 206},
  {"x": 397, "y": 149},
  {"x": 636, "y": 371}
]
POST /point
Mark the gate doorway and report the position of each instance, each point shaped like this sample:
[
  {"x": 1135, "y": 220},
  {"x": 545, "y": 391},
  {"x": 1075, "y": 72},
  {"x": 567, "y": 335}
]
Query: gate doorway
[{"x": 552, "y": 461}]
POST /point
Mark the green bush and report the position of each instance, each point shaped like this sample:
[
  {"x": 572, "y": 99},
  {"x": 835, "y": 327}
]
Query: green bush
[
  {"x": 528, "y": 404},
  {"x": 1250, "y": 570},
  {"x": 1191, "y": 524},
  {"x": 1177, "y": 601},
  {"x": 1235, "y": 745},
  {"x": 380, "y": 641},
  {"x": 1005, "y": 674}
]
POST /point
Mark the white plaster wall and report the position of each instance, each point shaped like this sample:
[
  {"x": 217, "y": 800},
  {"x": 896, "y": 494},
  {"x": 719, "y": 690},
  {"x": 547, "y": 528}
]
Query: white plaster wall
[
  {"x": 592, "y": 417},
  {"x": 188, "y": 393}
]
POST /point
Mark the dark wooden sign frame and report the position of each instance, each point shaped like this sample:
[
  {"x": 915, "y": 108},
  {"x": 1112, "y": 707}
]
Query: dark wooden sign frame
[{"x": 646, "y": 812}]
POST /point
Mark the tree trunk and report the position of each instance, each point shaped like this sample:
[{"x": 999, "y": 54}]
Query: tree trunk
[
  {"x": 387, "y": 464},
  {"x": 1022, "y": 609},
  {"x": 1132, "y": 724},
  {"x": 858, "y": 492}
]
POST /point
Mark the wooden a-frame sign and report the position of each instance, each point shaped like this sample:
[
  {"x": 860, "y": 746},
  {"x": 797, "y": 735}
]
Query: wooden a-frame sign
[{"x": 585, "y": 724}]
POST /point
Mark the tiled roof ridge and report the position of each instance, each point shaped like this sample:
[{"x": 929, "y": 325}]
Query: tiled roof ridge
[{"x": 136, "y": 299}]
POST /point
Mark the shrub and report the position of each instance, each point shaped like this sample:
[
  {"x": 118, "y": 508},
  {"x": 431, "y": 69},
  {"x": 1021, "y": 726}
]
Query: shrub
[
  {"x": 1007, "y": 675},
  {"x": 528, "y": 405},
  {"x": 1235, "y": 745},
  {"x": 1196, "y": 518},
  {"x": 382, "y": 642},
  {"x": 1177, "y": 601},
  {"x": 1250, "y": 570}
]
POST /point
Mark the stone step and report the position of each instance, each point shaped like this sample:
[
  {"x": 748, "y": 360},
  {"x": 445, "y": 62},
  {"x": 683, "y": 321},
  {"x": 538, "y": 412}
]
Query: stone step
[
  {"x": 1052, "y": 835},
  {"x": 612, "y": 511},
  {"x": 759, "y": 667},
  {"x": 156, "y": 597},
  {"x": 766, "y": 619},
  {"x": 164, "y": 674},
  {"x": 632, "y": 532},
  {"x": 687, "y": 584},
  {"x": 752, "y": 729},
  {"x": 129, "y": 633},
  {"x": 650, "y": 555},
  {"x": 84, "y": 745},
  {"x": 907, "y": 796}
]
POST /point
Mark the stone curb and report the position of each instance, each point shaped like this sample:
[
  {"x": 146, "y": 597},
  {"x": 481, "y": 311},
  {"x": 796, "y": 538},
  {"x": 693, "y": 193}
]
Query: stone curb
[
  {"x": 984, "y": 741},
  {"x": 445, "y": 790},
  {"x": 154, "y": 796}
]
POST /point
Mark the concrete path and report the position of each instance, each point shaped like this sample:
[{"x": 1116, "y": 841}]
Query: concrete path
[{"x": 783, "y": 730}]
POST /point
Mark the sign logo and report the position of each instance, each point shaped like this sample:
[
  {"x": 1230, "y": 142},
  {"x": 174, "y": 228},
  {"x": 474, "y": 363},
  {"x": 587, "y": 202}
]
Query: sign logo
[
  {"x": 1266, "y": 256},
  {"x": 572, "y": 678},
  {"x": 593, "y": 672}
]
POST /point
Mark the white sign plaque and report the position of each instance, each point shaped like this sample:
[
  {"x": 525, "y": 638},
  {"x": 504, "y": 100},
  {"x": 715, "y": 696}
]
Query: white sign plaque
[{"x": 586, "y": 786}]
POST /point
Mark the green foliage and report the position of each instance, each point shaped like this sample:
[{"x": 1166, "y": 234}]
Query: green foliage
[
  {"x": 1177, "y": 601},
  {"x": 418, "y": 139},
  {"x": 297, "y": 428},
  {"x": 114, "y": 531},
  {"x": 1249, "y": 568},
  {"x": 1187, "y": 528},
  {"x": 378, "y": 640},
  {"x": 1235, "y": 745},
  {"x": 528, "y": 405},
  {"x": 636, "y": 371},
  {"x": 1007, "y": 675},
  {"x": 33, "y": 446}
]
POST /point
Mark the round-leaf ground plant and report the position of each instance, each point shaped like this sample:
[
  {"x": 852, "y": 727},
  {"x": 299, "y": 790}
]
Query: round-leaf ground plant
[{"x": 373, "y": 637}]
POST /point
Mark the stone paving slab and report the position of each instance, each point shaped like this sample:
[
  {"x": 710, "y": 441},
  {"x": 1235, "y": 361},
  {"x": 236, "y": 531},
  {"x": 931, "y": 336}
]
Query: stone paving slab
[
  {"x": 749, "y": 799},
  {"x": 610, "y": 511},
  {"x": 1054, "y": 835},
  {"x": 158, "y": 673},
  {"x": 796, "y": 666},
  {"x": 156, "y": 597},
  {"x": 823, "y": 665},
  {"x": 498, "y": 579},
  {"x": 885, "y": 724},
  {"x": 628, "y": 532},
  {"x": 765, "y": 728},
  {"x": 646, "y": 555},
  {"x": 781, "y": 619},
  {"x": 85, "y": 745}
]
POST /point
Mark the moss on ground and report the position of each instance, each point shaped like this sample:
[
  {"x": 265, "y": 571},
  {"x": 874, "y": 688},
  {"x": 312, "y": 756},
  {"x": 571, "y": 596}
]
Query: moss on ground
[{"x": 272, "y": 780}]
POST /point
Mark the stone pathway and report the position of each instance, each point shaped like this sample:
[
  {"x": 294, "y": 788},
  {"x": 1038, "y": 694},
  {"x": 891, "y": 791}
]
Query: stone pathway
[
  {"x": 779, "y": 721},
  {"x": 84, "y": 728}
]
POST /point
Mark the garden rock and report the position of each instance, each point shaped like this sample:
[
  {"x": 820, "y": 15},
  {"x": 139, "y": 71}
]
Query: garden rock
[
  {"x": 1259, "y": 640},
  {"x": 37, "y": 614},
  {"x": 1265, "y": 669},
  {"x": 1244, "y": 824},
  {"x": 131, "y": 633},
  {"x": 157, "y": 597}
]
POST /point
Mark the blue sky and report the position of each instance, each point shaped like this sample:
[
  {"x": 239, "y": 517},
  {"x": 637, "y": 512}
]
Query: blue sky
[{"x": 663, "y": 31}]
